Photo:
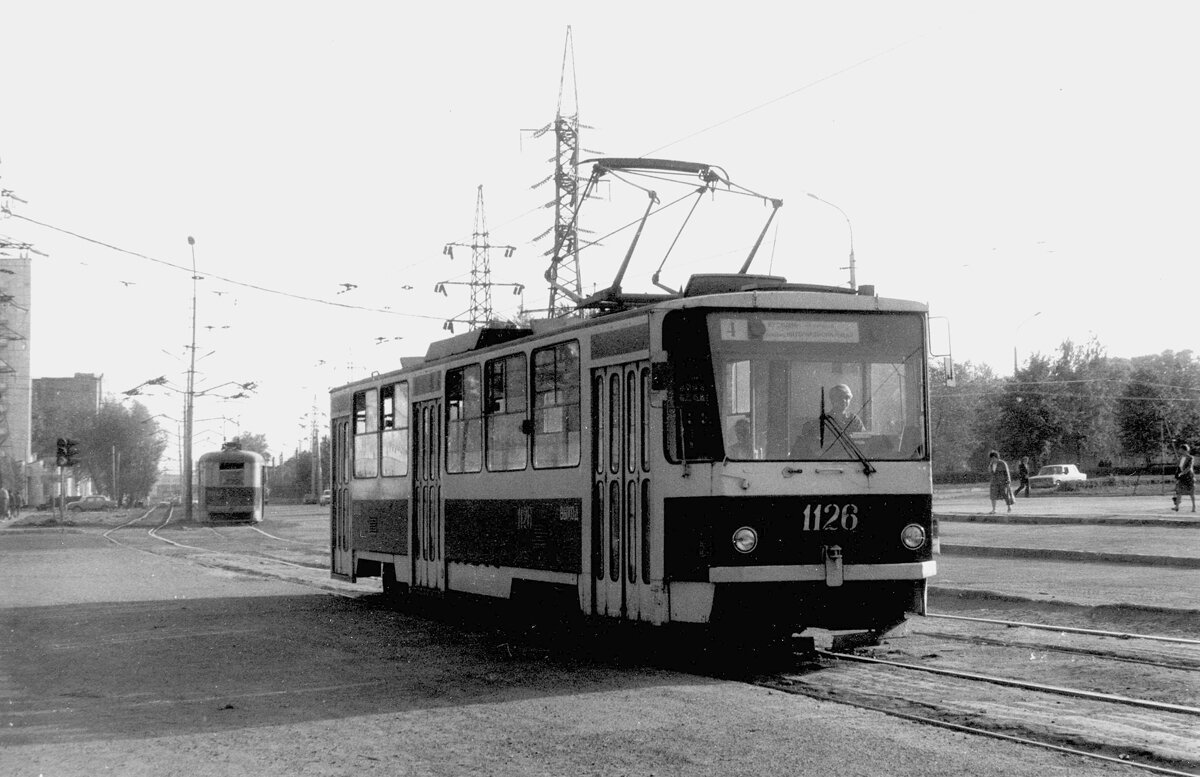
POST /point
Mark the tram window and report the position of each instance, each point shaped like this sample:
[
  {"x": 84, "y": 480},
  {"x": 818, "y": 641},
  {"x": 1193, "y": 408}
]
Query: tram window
[
  {"x": 644, "y": 422},
  {"x": 631, "y": 422},
  {"x": 614, "y": 530},
  {"x": 394, "y": 437},
  {"x": 464, "y": 422},
  {"x": 597, "y": 428},
  {"x": 505, "y": 408},
  {"x": 614, "y": 424},
  {"x": 597, "y": 530},
  {"x": 366, "y": 434},
  {"x": 775, "y": 371},
  {"x": 645, "y": 533},
  {"x": 556, "y": 406}
]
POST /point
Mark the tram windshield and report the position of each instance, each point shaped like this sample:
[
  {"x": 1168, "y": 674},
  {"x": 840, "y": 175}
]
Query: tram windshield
[{"x": 798, "y": 386}]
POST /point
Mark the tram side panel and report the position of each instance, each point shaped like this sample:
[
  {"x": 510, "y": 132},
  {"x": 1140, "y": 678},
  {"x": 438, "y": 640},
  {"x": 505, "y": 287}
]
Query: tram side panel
[{"x": 514, "y": 472}]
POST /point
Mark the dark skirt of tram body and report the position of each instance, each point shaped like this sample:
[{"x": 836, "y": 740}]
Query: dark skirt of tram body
[{"x": 230, "y": 487}]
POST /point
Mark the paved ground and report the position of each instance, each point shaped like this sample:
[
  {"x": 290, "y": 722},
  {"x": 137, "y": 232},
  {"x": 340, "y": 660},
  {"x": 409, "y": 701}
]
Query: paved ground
[
  {"x": 1130, "y": 550},
  {"x": 1150, "y": 504},
  {"x": 117, "y": 662}
]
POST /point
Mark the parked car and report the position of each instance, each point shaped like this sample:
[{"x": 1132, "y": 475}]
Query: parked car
[
  {"x": 1054, "y": 475},
  {"x": 94, "y": 502},
  {"x": 55, "y": 502},
  {"x": 326, "y": 497}
]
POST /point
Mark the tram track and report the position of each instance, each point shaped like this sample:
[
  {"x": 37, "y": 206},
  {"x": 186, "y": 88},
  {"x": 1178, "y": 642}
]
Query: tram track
[
  {"x": 1065, "y": 629},
  {"x": 930, "y": 677},
  {"x": 1192, "y": 665},
  {"x": 1066, "y": 691},
  {"x": 226, "y": 548}
]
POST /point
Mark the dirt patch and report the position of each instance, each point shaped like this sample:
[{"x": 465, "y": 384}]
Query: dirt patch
[{"x": 1117, "y": 617}]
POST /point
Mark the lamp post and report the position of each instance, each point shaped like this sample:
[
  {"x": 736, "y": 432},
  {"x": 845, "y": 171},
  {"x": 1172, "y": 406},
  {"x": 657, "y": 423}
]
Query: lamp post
[
  {"x": 1015, "y": 332},
  {"x": 188, "y": 399},
  {"x": 853, "y": 282}
]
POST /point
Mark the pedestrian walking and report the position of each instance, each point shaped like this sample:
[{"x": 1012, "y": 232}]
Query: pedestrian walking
[
  {"x": 1185, "y": 477},
  {"x": 1001, "y": 481},
  {"x": 1023, "y": 476}
]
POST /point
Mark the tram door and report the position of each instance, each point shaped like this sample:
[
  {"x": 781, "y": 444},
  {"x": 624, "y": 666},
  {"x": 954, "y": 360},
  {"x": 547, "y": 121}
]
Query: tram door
[
  {"x": 620, "y": 551},
  {"x": 429, "y": 568},
  {"x": 340, "y": 502}
]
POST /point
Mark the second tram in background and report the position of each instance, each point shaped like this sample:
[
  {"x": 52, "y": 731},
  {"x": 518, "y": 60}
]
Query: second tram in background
[{"x": 231, "y": 486}]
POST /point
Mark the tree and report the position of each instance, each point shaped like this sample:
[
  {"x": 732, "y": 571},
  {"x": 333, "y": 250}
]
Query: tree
[
  {"x": 1160, "y": 404},
  {"x": 1139, "y": 416},
  {"x": 1059, "y": 407},
  {"x": 254, "y": 442},
  {"x": 962, "y": 417},
  {"x": 120, "y": 451}
]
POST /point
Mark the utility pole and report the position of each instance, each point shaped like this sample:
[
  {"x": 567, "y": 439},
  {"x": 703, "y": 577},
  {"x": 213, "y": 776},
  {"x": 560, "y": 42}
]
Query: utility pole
[
  {"x": 189, "y": 399},
  {"x": 480, "y": 284},
  {"x": 566, "y": 284},
  {"x": 316, "y": 454}
]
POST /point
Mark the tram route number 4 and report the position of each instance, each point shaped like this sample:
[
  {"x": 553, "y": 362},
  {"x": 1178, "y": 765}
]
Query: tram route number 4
[{"x": 830, "y": 517}]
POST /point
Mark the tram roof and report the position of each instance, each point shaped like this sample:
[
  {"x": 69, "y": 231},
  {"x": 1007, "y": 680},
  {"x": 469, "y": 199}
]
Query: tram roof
[
  {"x": 728, "y": 291},
  {"x": 233, "y": 454}
]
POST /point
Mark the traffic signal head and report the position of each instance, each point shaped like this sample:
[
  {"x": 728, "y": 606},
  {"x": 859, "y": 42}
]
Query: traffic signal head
[
  {"x": 60, "y": 452},
  {"x": 72, "y": 453}
]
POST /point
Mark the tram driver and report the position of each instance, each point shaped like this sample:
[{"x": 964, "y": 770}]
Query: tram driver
[{"x": 838, "y": 422}]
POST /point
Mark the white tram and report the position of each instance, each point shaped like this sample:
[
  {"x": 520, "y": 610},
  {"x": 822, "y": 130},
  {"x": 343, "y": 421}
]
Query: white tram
[{"x": 681, "y": 459}]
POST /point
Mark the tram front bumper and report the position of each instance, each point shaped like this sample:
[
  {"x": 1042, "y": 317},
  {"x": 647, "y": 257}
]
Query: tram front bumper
[{"x": 782, "y": 573}]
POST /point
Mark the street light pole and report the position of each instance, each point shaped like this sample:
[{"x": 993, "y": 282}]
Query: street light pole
[
  {"x": 853, "y": 282},
  {"x": 1015, "y": 332},
  {"x": 188, "y": 399}
]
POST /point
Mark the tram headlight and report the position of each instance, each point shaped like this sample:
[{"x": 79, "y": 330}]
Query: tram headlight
[
  {"x": 913, "y": 536},
  {"x": 745, "y": 539}
]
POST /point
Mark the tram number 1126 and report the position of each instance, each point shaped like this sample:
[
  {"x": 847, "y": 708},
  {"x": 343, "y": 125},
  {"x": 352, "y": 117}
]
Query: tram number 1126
[{"x": 830, "y": 517}]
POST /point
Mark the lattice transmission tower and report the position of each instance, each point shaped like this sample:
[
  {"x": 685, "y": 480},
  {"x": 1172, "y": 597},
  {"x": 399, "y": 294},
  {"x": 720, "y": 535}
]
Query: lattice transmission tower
[
  {"x": 480, "y": 312},
  {"x": 566, "y": 284}
]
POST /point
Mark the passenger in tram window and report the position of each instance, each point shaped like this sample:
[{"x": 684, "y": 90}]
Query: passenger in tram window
[
  {"x": 742, "y": 446},
  {"x": 1001, "y": 481},
  {"x": 1185, "y": 477},
  {"x": 1023, "y": 476},
  {"x": 838, "y": 420}
]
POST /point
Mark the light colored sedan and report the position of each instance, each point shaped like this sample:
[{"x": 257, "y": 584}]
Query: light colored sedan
[{"x": 1054, "y": 475}]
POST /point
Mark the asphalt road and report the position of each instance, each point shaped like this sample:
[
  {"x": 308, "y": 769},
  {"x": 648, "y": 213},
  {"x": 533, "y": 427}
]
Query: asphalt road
[{"x": 118, "y": 661}]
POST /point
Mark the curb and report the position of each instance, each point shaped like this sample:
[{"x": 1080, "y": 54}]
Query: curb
[
  {"x": 971, "y": 593},
  {"x": 1078, "y": 520},
  {"x": 987, "y": 551}
]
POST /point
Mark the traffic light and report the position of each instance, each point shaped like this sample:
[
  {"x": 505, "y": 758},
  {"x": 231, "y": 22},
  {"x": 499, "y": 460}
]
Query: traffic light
[
  {"x": 67, "y": 452},
  {"x": 72, "y": 453}
]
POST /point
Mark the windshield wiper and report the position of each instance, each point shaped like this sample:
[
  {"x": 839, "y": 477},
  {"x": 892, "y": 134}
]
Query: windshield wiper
[{"x": 847, "y": 442}]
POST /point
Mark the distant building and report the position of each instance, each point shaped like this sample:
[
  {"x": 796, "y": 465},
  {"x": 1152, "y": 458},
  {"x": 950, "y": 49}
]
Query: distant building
[
  {"x": 55, "y": 402},
  {"x": 65, "y": 396}
]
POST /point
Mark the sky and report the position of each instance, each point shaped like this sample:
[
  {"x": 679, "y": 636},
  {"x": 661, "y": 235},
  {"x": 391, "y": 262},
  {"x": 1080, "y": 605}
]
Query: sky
[{"x": 1027, "y": 169}]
